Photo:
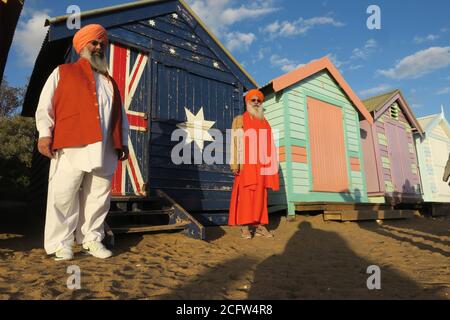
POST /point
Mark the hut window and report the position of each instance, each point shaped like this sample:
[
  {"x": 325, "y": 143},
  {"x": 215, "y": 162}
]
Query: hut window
[{"x": 394, "y": 111}]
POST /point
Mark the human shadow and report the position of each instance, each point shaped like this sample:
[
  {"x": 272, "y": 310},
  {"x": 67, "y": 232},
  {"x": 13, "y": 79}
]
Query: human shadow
[
  {"x": 318, "y": 264},
  {"x": 216, "y": 283}
]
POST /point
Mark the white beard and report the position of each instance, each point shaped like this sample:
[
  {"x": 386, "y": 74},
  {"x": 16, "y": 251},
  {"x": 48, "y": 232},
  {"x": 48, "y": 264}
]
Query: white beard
[
  {"x": 98, "y": 63},
  {"x": 257, "y": 112}
]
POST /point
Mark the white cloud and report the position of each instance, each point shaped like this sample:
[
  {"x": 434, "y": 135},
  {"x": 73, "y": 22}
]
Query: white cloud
[
  {"x": 261, "y": 54},
  {"x": 298, "y": 27},
  {"x": 445, "y": 30},
  {"x": 443, "y": 91},
  {"x": 237, "y": 41},
  {"x": 219, "y": 15},
  {"x": 364, "y": 52},
  {"x": 355, "y": 67},
  {"x": 284, "y": 64},
  {"x": 338, "y": 63},
  {"x": 382, "y": 88},
  {"x": 30, "y": 35},
  {"x": 429, "y": 38},
  {"x": 417, "y": 105},
  {"x": 419, "y": 64}
]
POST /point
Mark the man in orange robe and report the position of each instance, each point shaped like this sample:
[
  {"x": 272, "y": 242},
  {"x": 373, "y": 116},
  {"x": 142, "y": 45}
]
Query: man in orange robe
[{"x": 254, "y": 163}]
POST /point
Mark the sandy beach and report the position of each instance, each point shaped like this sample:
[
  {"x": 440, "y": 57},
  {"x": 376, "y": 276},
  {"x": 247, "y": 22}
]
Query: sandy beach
[{"x": 307, "y": 259}]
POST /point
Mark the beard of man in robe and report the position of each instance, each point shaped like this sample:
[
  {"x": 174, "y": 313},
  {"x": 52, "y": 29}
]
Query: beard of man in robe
[
  {"x": 255, "y": 108},
  {"x": 96, "y": 58}
]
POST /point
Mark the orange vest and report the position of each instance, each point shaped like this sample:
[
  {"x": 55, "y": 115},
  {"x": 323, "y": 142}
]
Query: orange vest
[{"x": 77, "y": 120}]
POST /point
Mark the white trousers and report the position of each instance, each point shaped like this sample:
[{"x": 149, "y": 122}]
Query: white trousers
[{"x": 77, "y": 205}]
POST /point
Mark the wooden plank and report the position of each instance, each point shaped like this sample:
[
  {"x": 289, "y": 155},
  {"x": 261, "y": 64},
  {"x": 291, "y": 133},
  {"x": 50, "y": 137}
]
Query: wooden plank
[
  {"x": 142, "y": 229},
  {"x": 332, "y": 216},
  {"x": 336, "y": 206},
  {"x": 360, "y": 215},
  {"x": 440, "y": 209},
  {"x": 113, "y": 214}
]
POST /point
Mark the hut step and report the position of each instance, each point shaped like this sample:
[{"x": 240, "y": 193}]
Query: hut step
[
  {"x": 113, "y": 214},
  {"x": 359, "y": 215},
  {"x": 142, "y": 229}
]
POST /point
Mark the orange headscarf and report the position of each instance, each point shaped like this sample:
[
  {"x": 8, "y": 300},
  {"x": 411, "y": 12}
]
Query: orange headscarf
[
  {"x": 87, "y": 34},
  {"x": 252, "y": 93}
]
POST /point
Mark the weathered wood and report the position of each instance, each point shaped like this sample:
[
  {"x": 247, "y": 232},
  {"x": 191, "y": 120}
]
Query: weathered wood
[
  {"x": 142, "y": 229},
  {"x": 359, "y": 215},
  {"x": 440, "y": 209},
  {"x": 113, "y": 214},
  {"x": 334, "y": 206}
]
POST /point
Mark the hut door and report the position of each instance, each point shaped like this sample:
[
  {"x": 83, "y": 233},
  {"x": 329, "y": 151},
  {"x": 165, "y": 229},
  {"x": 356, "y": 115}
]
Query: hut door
[
  {"x": 398, "y": 156},
  {"x": 328, "y": 157},
  {"x": 130, "y": 70}
]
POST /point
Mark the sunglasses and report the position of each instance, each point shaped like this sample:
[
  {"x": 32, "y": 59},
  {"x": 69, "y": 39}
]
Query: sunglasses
[
  {"x": 96, "y": 43},
  {"x": 256, "y": 100}
]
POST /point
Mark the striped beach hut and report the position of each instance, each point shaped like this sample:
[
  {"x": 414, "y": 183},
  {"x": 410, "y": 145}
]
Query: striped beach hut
[
  {"x": 390, "y": 158},
  {"x": 173, "y": 73},
  {"x": 433, "y": 150},
  {"x": 316, "y": 116}
]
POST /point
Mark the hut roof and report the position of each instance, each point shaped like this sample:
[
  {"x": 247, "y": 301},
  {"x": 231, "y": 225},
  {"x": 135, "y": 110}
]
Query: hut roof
[
  {"x": 377, "y": 105},
  {"x": 377, "y": 102},
  {"x": 431, "y": 121},
  {"x": 312, "y": 68}
]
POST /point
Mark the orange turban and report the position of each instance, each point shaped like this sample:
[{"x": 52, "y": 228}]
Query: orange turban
[
  {"x": 252, "y": 93},
  {"x": 87, "y": 34}
]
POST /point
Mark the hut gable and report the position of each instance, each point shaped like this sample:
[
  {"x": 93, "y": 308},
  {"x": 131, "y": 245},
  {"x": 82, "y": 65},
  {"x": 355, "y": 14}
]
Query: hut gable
[{"x": 393, "y": 105}]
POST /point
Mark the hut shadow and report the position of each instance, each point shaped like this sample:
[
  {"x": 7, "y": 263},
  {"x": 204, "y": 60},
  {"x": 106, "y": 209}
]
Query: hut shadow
[
  {"x": 22, "y": 228},
  {"x": 413, "y": 234},
  {"x": 356, "y": 196},
  {"x": 318, "y": 264}
]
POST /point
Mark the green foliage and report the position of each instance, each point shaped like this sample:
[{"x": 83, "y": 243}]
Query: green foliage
[{"x": 17, "y": 139}]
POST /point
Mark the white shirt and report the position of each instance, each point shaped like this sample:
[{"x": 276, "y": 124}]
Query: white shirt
[{"x": 101, "y": 156}]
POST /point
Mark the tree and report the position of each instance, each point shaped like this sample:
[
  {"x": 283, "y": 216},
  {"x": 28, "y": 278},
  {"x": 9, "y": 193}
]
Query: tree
[
  {"x": 17, "y": 139},
  {"x": 10, "y": 99}
]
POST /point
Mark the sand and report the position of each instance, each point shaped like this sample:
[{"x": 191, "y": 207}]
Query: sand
[{"x": 307, "y": 259}]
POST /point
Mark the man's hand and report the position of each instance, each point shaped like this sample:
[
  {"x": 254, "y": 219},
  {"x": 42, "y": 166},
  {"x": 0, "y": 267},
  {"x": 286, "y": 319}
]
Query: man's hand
[
  {"x": 235, "y": 171},
  {"x": 123, "y": 154},
  {"x": 45, "y": 147}
]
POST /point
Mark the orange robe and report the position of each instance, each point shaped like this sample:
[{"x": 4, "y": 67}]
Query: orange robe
[{"x": 249, "y": 195}]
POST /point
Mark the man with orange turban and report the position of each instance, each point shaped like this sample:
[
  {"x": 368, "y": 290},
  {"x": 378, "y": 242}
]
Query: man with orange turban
[
  {"x": 255, "y": 166},
  {"x": 83, "y": 129}
]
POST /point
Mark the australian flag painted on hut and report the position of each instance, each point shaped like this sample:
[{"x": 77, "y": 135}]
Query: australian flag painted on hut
[{"x": 173, "y": 74}]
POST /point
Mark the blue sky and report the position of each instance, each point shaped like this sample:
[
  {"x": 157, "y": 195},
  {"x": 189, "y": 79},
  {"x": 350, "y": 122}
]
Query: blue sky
[{"x": 411, "y": 51}]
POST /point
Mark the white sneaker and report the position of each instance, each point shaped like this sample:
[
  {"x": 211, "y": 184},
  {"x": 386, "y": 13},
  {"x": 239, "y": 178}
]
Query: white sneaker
[
  {"x": 65, "y": 253},
  {"x": 97, "y": 249}
]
